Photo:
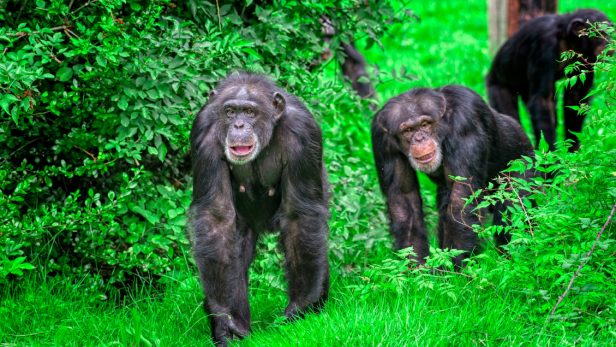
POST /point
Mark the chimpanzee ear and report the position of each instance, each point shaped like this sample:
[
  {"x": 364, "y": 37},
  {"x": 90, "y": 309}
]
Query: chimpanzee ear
[
  {"x": 444, "y": 108},
  {"x": 575, "y": 26},
  {"x": 280, "y": 104},
  {"x": 377, "y": 119},
  {"x": 212, "y": 95}
]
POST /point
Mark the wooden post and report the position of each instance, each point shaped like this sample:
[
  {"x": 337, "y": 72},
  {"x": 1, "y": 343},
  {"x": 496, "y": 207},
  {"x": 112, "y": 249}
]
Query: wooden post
[
  {"x": 521, "y": 11},
  {"x": 497, "y": 24}
]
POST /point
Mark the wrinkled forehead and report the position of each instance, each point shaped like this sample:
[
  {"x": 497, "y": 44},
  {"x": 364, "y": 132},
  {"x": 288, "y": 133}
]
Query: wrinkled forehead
[
  {"x": 415, "y": 106},
  {"x": 242, "y": 92}
]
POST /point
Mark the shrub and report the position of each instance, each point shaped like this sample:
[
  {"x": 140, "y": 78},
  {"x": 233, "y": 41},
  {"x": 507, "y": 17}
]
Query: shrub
[{"x": 97, "y": 99}]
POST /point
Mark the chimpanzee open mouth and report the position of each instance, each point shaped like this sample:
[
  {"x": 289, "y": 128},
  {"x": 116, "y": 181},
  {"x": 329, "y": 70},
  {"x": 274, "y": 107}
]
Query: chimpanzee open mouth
[
  {"x": 241, "y": 151},
  {"x": 424, "y": 159}
]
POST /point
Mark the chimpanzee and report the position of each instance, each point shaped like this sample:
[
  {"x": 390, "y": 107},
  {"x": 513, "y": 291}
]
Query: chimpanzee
[
  {"x": 527, "y": 65},
  {"x": 257, "y": 166},
  {"x": 449, "y": 131}
]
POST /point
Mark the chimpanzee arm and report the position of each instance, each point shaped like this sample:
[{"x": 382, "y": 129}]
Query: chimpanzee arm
[
  {"x": 400, "y": 186},
  {"x": 466, "y": 148},
  {"x": 303, "y": 221},
  {"x": 215, "y": 237},
  {"x": 540, "y": 102},
  {"x": 573, "y": 97}
]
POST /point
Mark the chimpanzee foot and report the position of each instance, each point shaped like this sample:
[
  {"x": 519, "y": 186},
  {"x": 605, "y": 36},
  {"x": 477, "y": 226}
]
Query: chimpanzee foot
[
  {"x": 293, "y": 312},
  {"x": 226, "y": 330}
]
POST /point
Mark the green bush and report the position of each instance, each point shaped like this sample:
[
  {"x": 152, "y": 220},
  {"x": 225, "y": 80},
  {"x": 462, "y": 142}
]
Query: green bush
[{"x": 96, "y": 103}]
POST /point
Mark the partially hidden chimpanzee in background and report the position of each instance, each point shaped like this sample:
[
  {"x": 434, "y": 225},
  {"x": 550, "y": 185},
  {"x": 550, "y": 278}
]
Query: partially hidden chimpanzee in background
[
  {"x": 257, "y": 166},
  {"x": 449, "y": 131},
  {"x": 526, "y": 65}
]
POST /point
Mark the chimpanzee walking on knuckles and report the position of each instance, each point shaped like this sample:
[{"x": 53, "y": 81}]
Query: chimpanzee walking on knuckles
[
  {"x": 257, "y": 166},
  {"x": 449, "y": 131}
]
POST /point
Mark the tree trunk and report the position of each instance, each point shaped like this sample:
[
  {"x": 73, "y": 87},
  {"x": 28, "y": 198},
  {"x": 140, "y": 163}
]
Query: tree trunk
[{"x": 521, "y": 11}]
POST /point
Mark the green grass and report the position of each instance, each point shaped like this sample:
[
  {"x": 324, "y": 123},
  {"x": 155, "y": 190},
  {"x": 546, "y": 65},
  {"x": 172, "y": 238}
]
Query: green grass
[
  {"x": 52, "y": 312},
  {"x": 448, "y": 46}
]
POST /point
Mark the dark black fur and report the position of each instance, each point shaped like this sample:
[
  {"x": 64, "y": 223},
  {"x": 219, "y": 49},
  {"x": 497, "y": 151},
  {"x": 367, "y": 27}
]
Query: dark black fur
[
  {"x": 526, "y": 65},
  {"x": 284, "y": 189},
  {"x": 476, "y": 142}
]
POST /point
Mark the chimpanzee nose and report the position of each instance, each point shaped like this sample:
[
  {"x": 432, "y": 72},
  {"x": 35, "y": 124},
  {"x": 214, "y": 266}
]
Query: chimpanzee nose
[{"x": 239, "y": 125}]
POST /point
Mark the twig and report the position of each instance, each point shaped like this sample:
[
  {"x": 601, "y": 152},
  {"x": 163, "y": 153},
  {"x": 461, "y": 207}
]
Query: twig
[
  {"x": 88, "y": 153},
  {"x": 69, "y": 30},
  {"x": 530, "y": 226},
  {"x": 218, "y": 11},
  {"x": 20, "y": 11},
  {"x": 17, "y": 150},
  {"x": 69, "y": 8},
  {"x": 23, "y": 33},
  {"x": 87, "y": 4},
  {"x": 583, "y": 261}
]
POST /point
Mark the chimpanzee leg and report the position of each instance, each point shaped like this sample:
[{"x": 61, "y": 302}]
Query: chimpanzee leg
[
  {"x": 354, "y": 67},
  {"x": 573, "y": 121},
  {"x": 304, "y": 240},
  {"x": 406, "y": 212},
  {"x": 223, "y": 252},
  {"x": 543, "y": 117},
  {"x": 240, "y": 309},
  {"x": 455, "y": 223},
  {"x": 504, "y": 100}
]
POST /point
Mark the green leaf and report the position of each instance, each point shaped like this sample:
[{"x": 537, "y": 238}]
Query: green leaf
[
  {"x": 123, "y": 103},
  {"x": 64, "y": 74},
  {"x": 162, "y": 152},
  {"x": 252, "y": 52},
  {"x": 152, "y": 150},
  {"x": 5, "y": 105},
  {"x": 150, "y": 217},
  {"x": 543, "y": 145},
  {"x": 135, "y": 6},
  {"x": 15, "y": 115},
  {"x": 153, "y": 93},
  {"x": 101, "y": 61},
  {"x": 176, "y": 62}
]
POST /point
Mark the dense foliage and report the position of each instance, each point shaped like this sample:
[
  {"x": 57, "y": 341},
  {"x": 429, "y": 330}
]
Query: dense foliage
[{"x": 96, "y": 102}]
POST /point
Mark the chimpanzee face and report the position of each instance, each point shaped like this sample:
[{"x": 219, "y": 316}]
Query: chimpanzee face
[
  {"x": 242, "y": 142},
  {"x": 595, "y": 45},
  {"x": 247, "y": 121},
  {"x": 417, "y": 134}
]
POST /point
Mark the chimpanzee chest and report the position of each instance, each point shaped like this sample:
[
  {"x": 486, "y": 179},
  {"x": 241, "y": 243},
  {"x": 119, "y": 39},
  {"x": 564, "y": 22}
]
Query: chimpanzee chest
[{"x": 256, "y": 188}]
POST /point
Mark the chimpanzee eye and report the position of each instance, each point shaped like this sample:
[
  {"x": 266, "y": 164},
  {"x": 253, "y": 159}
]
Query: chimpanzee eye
[
  {"x": 229, "y": 111},
  {"x": 424, "y": 124},
  {"x": 249, "y": 111}
]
